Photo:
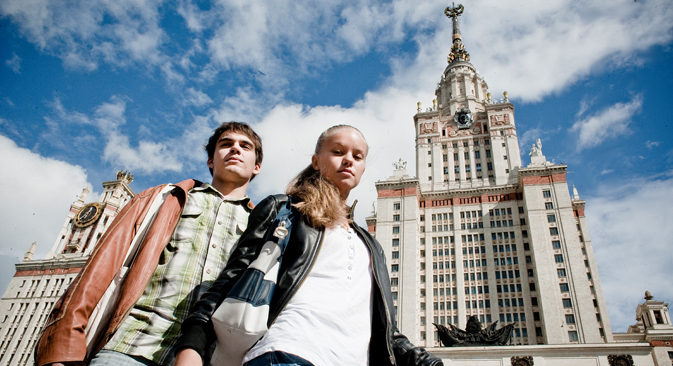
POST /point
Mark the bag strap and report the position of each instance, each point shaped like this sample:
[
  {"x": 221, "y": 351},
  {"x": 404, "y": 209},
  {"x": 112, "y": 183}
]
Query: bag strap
[{"x": 282, "y": 225}]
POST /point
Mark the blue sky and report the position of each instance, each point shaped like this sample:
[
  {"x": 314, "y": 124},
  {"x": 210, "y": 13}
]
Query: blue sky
[{"x": 91, "y": 87}]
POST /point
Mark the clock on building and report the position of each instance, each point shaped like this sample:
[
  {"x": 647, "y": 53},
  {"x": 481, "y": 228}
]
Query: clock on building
[
  {"x": 463, "y": 118},
  {"x": 88, "y": 214}
]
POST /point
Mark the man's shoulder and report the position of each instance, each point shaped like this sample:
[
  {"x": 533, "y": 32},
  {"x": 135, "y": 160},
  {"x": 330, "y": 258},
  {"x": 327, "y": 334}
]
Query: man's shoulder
[{"x": 186, "y": 185}]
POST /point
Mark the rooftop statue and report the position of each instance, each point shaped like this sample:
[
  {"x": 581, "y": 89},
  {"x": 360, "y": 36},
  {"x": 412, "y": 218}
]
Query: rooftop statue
[{"x": 473, "y": 335}]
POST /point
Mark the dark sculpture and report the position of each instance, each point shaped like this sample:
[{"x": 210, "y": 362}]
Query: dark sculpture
[
  {"x": 473, "y": 335},
  {"x": 620, "y": 360}
]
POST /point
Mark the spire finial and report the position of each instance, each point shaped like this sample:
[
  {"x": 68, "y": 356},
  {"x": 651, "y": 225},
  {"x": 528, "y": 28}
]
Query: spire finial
[{"x": 458, "y": 52}]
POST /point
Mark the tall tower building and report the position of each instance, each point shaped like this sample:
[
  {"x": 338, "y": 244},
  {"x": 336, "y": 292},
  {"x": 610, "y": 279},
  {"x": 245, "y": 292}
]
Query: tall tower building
[
  {"x": 38, "y": 284},
  {"x": 476, "y": 233}
]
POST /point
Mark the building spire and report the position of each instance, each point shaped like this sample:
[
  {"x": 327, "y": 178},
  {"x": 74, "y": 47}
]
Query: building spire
[{"x": 458, "y": 52}]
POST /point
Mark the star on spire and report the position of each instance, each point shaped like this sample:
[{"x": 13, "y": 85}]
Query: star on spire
[{"x": 458, "y": 52}]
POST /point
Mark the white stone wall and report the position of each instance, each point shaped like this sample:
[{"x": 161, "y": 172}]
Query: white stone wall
[{"x": 23, "y": 311}]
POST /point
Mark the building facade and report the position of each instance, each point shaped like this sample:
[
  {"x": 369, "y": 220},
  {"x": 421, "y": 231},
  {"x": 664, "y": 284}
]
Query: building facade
[
  {"x": 38, "y": 284},
  {"x": 476, "y": 233}
]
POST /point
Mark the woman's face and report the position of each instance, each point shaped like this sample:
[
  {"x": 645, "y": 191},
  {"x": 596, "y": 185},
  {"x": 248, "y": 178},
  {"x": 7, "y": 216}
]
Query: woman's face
[{"x": 342, "y": 159}]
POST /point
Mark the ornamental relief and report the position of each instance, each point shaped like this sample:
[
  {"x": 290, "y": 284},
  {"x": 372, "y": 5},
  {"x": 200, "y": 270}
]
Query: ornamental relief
[
  {"x": 427, "y": 127},
  {"x": 500, "y": 119},
  {"x": 620, "y": 360},
  {"x": 522, "y": 361}
]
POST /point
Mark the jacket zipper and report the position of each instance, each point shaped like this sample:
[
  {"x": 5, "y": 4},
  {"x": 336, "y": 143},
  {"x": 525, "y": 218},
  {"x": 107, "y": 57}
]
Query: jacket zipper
[
  {"x": 385, "y": 305},
  {"x": 304, "y": 276}
]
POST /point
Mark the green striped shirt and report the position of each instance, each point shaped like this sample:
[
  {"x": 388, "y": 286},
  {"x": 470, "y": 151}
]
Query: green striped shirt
[{"x": 208, "y": 228}]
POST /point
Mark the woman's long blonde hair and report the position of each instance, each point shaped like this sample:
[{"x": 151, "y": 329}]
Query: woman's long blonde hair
[{"x": 315, "y": 196}]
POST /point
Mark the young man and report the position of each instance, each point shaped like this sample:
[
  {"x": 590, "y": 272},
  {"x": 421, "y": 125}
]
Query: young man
[{"x": 184, "y": 250}]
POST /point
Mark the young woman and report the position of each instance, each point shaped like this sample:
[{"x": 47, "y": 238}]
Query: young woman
[{"x": 332, "y": 303}]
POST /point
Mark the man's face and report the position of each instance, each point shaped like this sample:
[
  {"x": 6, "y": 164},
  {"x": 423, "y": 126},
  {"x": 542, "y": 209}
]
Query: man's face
[{"x": 234, "y": 159}]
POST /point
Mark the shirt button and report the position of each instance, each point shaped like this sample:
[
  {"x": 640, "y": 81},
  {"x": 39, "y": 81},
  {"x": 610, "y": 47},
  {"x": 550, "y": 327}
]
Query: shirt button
[
  {"x": 349, "y": 277},
  {"x": 219, "y": 222},
  {"x": 351, "y": 257},
  {"x": 350, "y": 267},
  {"x": 208, "y": 271},
  {"x": 214, "y": 245}
]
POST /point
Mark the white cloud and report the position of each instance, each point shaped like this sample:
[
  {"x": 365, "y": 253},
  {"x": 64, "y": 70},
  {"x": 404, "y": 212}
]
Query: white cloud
[
  {"x": 14, "y": 63},
  {"x": 196, "y": 98},
  {"x": 537, "y": 49},
  {"x": 85, "y": 33},
  {"x": 631, "y": 235},
  {"x": 651, "y": 144},
  {"x": 36, "y": 193},
  {"x": 108, "y": 118},
  {"x": 609, "y": 123},
  {"x": 607, "y": 171}
]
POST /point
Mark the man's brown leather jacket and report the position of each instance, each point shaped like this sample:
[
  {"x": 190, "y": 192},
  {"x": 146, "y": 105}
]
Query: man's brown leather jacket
[{"x": 63, "y": 337}]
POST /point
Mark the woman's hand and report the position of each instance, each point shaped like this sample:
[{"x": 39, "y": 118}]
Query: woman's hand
[{"x": 188, "y": 357}]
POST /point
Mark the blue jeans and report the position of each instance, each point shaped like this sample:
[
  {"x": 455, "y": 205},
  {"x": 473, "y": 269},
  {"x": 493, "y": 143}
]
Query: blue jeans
[
  {"x": 112, "y": 358},
  {"x": 278, "y": 358}
]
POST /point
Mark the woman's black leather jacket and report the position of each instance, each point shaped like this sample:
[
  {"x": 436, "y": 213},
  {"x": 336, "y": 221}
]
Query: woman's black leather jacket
[{"x": 387, "y": 345}]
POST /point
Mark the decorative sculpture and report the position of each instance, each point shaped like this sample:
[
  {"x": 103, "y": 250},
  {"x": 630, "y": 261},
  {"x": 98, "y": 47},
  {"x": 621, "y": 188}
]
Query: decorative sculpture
[
  {"x": 620, "y": 360},
  {"x": 536, "y": 150},
  {"x": 648, "y": 296},
  {"x": 401, "y": 164},
  {"x": 522, "y": 361},
  {"x": 473, "y": 335}
]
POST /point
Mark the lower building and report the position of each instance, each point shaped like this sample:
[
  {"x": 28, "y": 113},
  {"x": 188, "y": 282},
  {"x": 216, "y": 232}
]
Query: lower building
[{"x": 38, "y": 284}]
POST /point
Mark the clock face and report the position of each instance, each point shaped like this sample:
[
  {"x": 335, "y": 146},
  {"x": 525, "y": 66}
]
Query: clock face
[
  {"x": 88, "y": 214},
  {"x": 463, "y": 118}
]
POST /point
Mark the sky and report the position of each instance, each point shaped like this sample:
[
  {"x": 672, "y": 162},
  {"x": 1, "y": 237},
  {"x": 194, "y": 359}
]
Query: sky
[{"x": 91, "y": 87}]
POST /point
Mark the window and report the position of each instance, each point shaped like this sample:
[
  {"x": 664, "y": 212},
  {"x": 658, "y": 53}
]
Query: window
[
  {"x": 478, "y": 167},
  {"x": 553, "y": 231},
  {"x": 504, "y": 157},
  {"x": 445, "y": 157},
  {"x": 429, "y": 165},
  {"x": 467, "y": 168},
  {"x": 536, "y": 316},
  {"x": 564, "y": 287},
  {"x": 520, "y": 210},
  {"x": 395, "y": 268},
  {"x": 570, "y": 318},
  {"x": 549, "y": 206},
  {"x": 394, "y": 282},
  {"x": 429, "y": 178},
  {"x": 396, "y": 242},
  {"x": 538, "y": 332},
  {"x": 561, "y": 272},
  {"x": 467, "y": 155},
  {"x": 488, "y": 153},
  {"x": 551, "y": 218},
  {"x": 396, "y": 255},
  {"x": 422, "y": 217},
  {"x": 489, "y": 166},
  {"x": 455, "y": 157},
  {"x": 477, "y": 155},
  {"x": 546, "y": 193},
  {"x": 531, "y": 286},
  {"x": 524, "y": 234},
  {"x": 522, "y": 221},
  {"x": 456, "y": 169},
  {"x": 533, "y": 301},
  {"x": 572, "y": 335},
  {"x": 446, "y": 170},
  {"x": 396, "y": 217},
  {"x": 556, "y": 244},
  {"x": 558, "y": 258},
  {"x": 396, "y": 229},
  {"x": 396, "y": 206}
]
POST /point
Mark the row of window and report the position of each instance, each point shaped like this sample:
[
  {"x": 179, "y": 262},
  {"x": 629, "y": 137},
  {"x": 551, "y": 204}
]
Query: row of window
[
  {"x": 511, "y": 288},
  {"x": 507, "y": 274},
  {"x": 512, "y": 302},
  {"x": 503, "y": 223}
]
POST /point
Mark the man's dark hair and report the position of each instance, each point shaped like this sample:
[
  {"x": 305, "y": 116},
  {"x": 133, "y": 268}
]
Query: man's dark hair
[{"x": 237, "y": 127}]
